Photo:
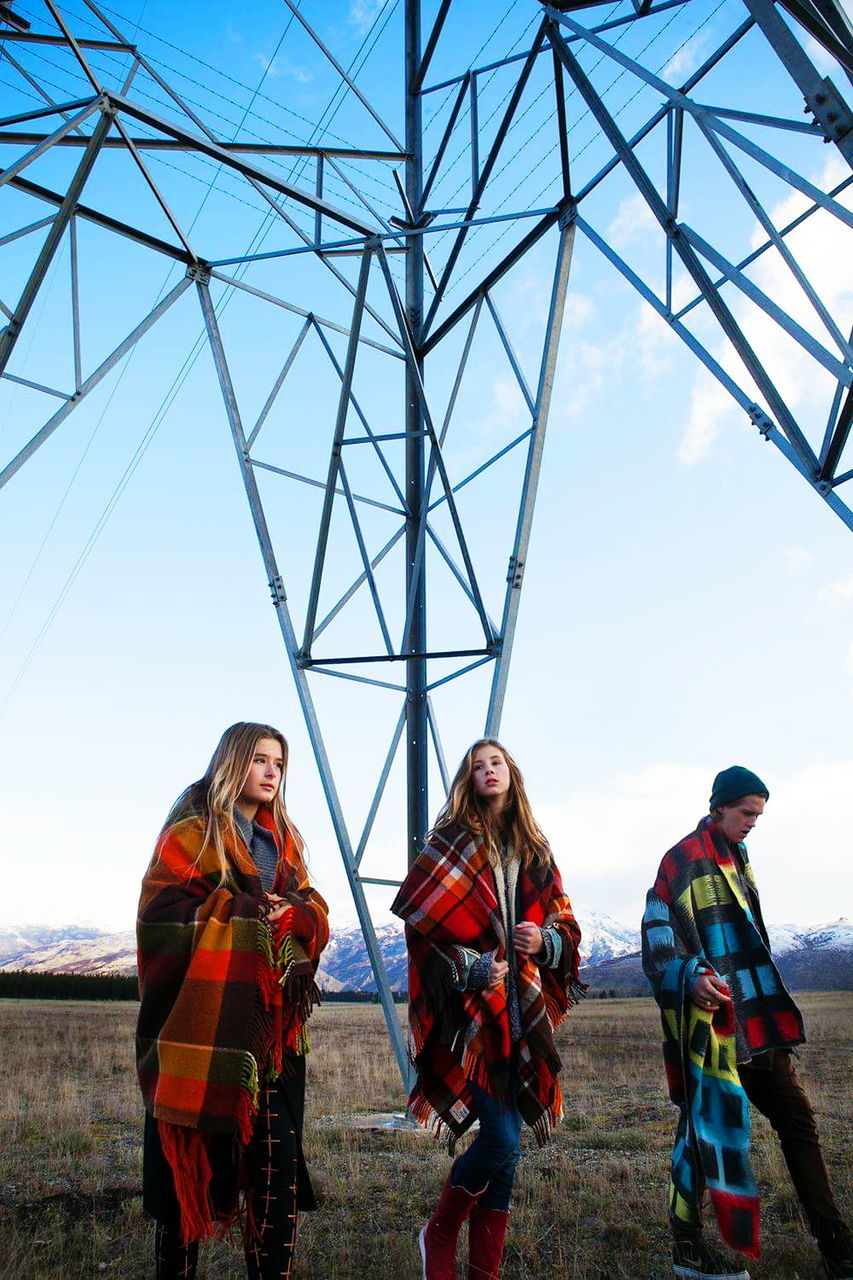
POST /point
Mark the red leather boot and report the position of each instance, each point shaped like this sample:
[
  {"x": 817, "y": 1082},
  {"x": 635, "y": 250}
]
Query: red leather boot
[
  {"x": 439, "y": 1236},
  {"x": 487, "y": 1232}
]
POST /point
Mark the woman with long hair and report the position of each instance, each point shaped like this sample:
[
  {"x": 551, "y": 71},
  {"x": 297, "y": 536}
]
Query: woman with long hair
[
  {"x": 493, "y": 968},
  {"x": 230, "y": 934}
]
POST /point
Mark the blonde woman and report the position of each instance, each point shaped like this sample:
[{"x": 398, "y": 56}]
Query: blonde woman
[
  {"x": 230, "y": 933},
  {"x": 493, "y": 968}
]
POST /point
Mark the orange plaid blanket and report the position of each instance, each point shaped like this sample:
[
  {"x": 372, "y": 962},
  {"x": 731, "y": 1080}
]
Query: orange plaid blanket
[
  {"x": 224, "y": 996},
  {"x": 449, "y": 900}
]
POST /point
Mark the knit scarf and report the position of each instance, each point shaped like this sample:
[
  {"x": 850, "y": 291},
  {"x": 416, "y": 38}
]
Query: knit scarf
[
  {"x": 449, "y": 900},
  {"x": 224, "y": 996}
]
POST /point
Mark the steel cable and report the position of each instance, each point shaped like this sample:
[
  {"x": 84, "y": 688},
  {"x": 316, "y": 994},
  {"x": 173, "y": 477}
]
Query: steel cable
[
  {"x": 619, "y": 111},
  {"x": 165, "y": 405}
]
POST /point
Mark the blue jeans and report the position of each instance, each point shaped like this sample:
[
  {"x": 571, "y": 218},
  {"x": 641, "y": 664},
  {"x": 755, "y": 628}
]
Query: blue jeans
[{"x": 489, "y": 1164}]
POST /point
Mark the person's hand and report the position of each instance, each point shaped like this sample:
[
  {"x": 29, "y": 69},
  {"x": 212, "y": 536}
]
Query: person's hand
[
  {"x": 527, "y": 938},
  {"x": 709, "y": 992},
  {"x": 277, "y": 906},
  {"x": 497, "y": 972}
]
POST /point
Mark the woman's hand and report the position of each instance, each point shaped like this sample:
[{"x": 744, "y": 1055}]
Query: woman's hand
[
  {"x": 527, "y": 938},
  {"x": 497, "y": 973},
  {"x": 709, "y": 992},
  {"x": 277, "y": 906}
]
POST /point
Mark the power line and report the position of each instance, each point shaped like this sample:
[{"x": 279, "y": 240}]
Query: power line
[
  {"x": 99, "y": 57},
  {"x": 443, "y": 102},
  {"x": 94, "y": 26},
  {"x": 341, "y": 193},
  {"x": 165, "y": 405},
  {"x": 594, "y": 137}
]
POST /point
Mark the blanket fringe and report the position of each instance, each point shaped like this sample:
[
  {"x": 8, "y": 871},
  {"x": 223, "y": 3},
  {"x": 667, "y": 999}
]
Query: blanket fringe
[
  {"x": 247, "y": 1106},
  {"x": 422, "y": 1110},
  {"x": 576, "y": 990},
  {"x": 476, "y": 1070},
  {"x": 543, "y": 1128},
  {"x": 188, "y": 1158}
]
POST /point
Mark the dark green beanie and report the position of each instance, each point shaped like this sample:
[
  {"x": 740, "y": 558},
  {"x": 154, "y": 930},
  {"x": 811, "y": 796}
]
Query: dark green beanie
[{"x": 735, "y": 783}]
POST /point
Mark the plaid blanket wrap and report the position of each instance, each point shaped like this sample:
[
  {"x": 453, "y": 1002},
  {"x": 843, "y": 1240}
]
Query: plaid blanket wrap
[
  {"x": 224, "y": 995},
  {"x": 698, "y": 920},
  {"x": 449, "y": 900}
]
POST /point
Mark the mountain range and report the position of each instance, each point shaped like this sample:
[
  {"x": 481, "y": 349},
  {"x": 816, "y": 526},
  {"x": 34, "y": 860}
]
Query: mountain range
[{"x": 810, "y": 957}]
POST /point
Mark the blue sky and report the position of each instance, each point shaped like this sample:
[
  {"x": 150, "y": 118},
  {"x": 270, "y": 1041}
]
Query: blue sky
[{"x": 688, "y": 598}]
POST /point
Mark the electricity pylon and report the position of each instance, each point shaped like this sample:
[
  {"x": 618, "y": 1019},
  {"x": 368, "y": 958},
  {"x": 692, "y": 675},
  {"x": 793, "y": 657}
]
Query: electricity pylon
[{"x": 396, "y": 508}]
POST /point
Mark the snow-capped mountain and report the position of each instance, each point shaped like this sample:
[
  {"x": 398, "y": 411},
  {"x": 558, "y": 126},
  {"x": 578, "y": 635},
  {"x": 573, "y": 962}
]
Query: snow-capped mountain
[
  {"x": 70, "y": 950},
  {"x": 810, "y": 958},
  {"x": 19, "y": 940},
  {"x": 785, "y": 938},
  {"x": 816, "y": 956},
  {"x": 346, "y": 962},
  {"x": 604, "y": 938}
]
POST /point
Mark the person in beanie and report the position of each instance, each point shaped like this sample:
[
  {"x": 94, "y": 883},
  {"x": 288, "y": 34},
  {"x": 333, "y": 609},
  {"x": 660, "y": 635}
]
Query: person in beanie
[
  {"x": 729, "y": 1027},
  {"x": 493, "y": 969},
  {"x": 230, "y": 934}
]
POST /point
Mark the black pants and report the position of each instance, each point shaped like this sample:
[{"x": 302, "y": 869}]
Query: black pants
[
  {"x": 779, "y": 1096},
  {"x": 278, "y": 1187},
  {"x": 774, "y": 1089}
]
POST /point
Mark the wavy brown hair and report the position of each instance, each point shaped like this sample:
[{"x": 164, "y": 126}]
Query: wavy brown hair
[
  {"x": 515, "y": 825},
  {"x": 214, "y": 795}
]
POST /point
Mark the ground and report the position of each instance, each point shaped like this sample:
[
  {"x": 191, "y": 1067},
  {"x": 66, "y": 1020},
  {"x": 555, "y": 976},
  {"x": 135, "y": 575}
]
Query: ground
[{"x": 592, "y": 1205}]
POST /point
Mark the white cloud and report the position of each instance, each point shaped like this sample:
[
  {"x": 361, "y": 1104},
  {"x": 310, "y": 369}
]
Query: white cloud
[
  {"x": 580, "y": 309},
  {"x": 633, "y": 219},
  {"x": 583, "y": 369},
  {"x": 824, "y": 61},
  {"x": 710, "y": 407},
  {"x": 508, "y": 401},
  {"x": 67, "y": 894},
  {"x": 801, "y": 847},
  {"x": 796, "y": 558},
  {"x": 655, "y": 342},
  {"x": 686, "y": 59},
  {"x": 362, "y": 13},
  {"x": 837, "y": 596},
  {"x": 608, "y": 840},
  {"x": 278, "y": 68},
  {"x": 819, "y": 245}
]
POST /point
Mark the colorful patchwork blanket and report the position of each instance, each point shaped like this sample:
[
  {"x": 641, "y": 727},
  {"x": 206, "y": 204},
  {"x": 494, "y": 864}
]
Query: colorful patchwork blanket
[
  {"x": 224, "y": 996},
  {"x": 449, "y": 901},
  {"x": 699, "y": 919}
]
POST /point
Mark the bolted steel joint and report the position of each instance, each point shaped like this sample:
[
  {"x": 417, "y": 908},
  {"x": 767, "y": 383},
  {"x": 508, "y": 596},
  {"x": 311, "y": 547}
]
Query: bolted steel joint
[
  {"x": 760, "y": 419},
  {"x": 199, "y": 272},
  {"x": 515, "y": 572},
  {"x": 830, "y": 111},
  {"x": 568, "y": 213}
]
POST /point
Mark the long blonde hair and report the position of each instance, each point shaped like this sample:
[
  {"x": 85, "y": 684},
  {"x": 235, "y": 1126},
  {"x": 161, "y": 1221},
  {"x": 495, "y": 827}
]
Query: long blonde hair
[
  {"x": 214, "y": 795},
  {"x": 515, "y": 825}
]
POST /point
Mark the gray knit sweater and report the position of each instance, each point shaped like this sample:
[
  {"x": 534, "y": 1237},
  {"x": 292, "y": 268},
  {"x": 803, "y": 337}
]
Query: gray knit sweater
[{"x": 261, "y": 846}]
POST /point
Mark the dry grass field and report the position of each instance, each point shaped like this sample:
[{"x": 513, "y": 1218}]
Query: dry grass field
[{"x": 590, "y": 1205}]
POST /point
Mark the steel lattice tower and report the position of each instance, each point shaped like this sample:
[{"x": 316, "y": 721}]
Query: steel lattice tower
[{"x": 404, "y": 512}]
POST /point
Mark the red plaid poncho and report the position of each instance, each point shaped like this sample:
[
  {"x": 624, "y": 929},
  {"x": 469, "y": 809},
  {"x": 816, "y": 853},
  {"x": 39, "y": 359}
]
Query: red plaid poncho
[
  {"x": 449, "y": 900},
  {"x": 223, "y": 995}
]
